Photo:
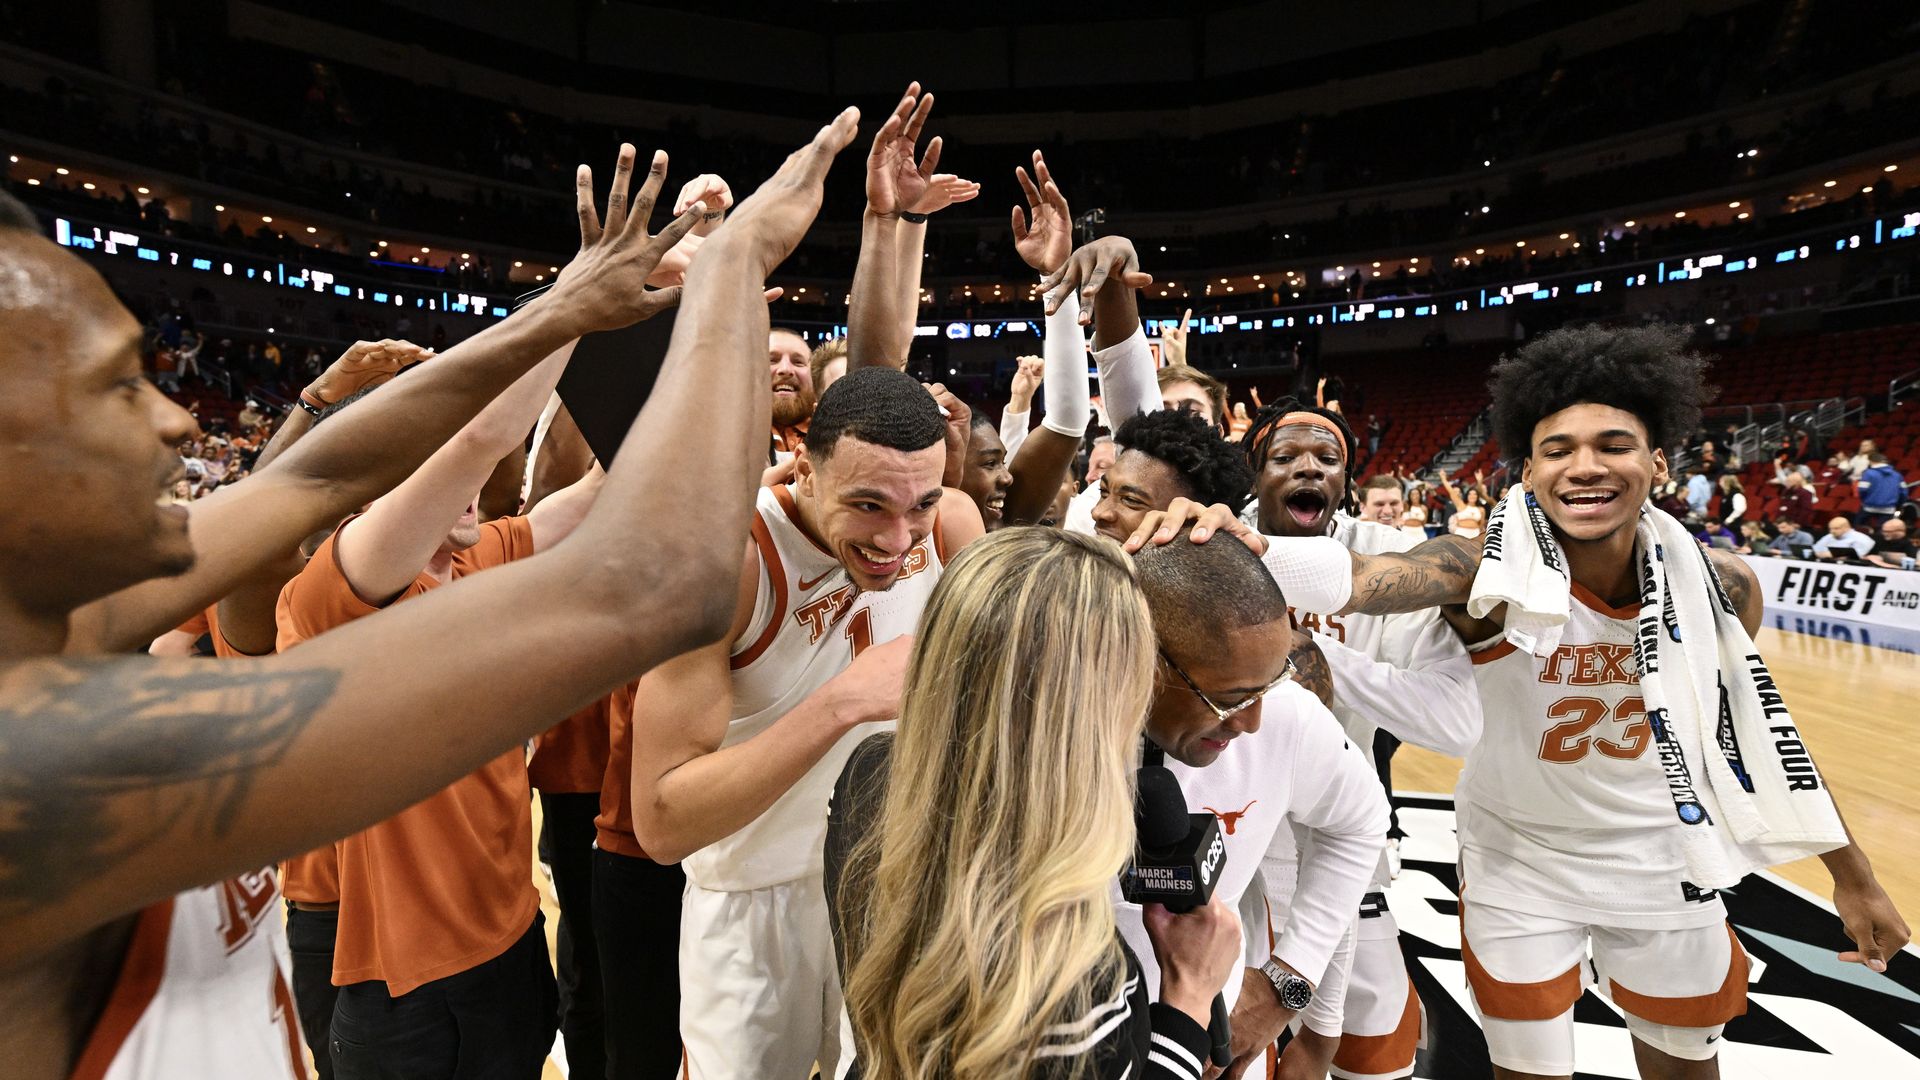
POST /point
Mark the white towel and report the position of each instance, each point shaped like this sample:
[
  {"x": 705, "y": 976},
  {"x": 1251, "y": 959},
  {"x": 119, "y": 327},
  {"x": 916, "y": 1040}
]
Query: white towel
[{"x": 1744, "y": 786}]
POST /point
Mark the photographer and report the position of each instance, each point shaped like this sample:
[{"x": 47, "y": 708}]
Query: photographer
[{"x": 993, "y": 847}]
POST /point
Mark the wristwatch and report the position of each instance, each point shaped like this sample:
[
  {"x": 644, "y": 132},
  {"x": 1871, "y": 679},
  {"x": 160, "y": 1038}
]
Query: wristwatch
[{"x": 1296, "y": 993}]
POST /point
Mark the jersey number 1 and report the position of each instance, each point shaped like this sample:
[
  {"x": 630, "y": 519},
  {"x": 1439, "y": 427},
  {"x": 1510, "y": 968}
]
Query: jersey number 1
[{"x": 860, "y": 630}]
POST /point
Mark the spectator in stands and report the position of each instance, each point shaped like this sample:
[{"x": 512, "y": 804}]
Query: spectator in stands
[
  {"x": 1894, "y": 550},
  {"x": 1468, "y": 521},
  {"x": 1842, "y": 541},
  {"x": 1861, "y": 460},
  {"x": 1882, "y": 488},
  {"x": 1784, "y": 466},
  {"x": 1798, "y": 503},
  {"x": 1733, "y": 500},
  {"x": 1755, "y": 539},
  {"x": 1716, "y": 534},
  {"x": 1190, "y": 389},
  {"x": 1710, "y": 461},
  {"x": 1414, "y": 521},
  {"x": 828, "y": 362},
  {"x": 1100, "y": 458},
  {"x": 1699, "y": 490},
  {"x": 1382, "y": 500},
  {"x": 1790, "y": 534},
  {"x": 1834, "y": 468}
]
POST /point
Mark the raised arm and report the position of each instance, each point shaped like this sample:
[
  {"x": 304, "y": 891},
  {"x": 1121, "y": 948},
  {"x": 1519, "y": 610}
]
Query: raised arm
[
  {"x": 361, "y": 454},
  {"x": 1043, "y": 237},
  {"x": 173, "y": 774},
  {"x": 910, "y": 253},
  {"x": 876, "y": 307},
  {"x": 384, "y": 549},
  {"x": 1105, "y": 275}
]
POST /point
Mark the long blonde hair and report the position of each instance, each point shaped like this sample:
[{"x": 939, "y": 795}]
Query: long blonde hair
[{"x": 978, "y": 910}]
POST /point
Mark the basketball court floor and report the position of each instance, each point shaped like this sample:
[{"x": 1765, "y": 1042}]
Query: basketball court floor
[{"x": 1809, "y": 1017}]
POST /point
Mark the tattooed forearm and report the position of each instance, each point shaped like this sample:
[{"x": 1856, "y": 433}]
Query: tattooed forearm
[
  {"x": 1310, "y": 667},
  {"x": 1437, "y": 572},
  {"x": 101, "y": 758}
]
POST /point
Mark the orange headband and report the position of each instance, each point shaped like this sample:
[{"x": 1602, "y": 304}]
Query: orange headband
[{"x": 1321, "y": 422}]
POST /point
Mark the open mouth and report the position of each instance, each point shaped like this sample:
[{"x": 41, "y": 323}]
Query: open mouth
[
  {"x": 1306, "y": 506},
  {"x": 1588, "y": 501},
  {"x": 875, "y": 563},
  {"x": 995, "y": 506}
]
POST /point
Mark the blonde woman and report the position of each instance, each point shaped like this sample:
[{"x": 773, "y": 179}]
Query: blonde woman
[{"x": 971, "y": 858}]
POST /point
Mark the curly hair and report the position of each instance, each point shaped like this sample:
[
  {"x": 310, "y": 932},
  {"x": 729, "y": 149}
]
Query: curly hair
[
  {"x": 1207, "y": 463},
  {"x": 1644, "y": 370},
  {"x": 1259, "y": 439},
  {"x": 877, "y": 405}
]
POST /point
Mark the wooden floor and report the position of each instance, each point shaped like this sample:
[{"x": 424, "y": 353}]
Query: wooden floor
[{"x": 1857, "y": 707}]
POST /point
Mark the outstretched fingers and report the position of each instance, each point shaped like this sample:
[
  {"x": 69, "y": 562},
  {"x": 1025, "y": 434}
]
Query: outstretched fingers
[
  {"x": 617, "y": 192},
  {"x": 583, "y": 204},
  {"x": 650, "y": 190}
]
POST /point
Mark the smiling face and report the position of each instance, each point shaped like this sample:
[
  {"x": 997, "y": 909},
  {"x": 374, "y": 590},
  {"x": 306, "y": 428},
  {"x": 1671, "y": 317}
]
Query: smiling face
[
  {"x": 793, "y": 394},
  {"x": 91, "y": 442},
  {"x": 1301, "y": 481},
  {"x": 1135, "y": 486},
  {"x": 1182, "y": 725},
  {"x": 869, "y": 505},
  {"x": 1590, "y": 470},
  {"x": 986, "y": 477},
  {"x": 1384, "y": 505}
]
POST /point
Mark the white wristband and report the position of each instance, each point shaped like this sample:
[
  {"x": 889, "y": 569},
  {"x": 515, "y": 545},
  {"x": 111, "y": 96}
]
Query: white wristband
[
  {"x": 1315, "y": 573},
  {"x": 1063, "y": 385}
]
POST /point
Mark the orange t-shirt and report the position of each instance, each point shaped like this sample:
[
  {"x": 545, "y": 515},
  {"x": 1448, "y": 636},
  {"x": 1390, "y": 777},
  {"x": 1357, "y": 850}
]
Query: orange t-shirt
[
  {"x": 445, "y": 885},
  {"x": 613, "y": 827},
  {"x": 571, "y": 756}
]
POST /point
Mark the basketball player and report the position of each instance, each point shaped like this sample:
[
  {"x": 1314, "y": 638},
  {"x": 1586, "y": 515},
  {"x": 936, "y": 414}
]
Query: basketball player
[
  {"x": 1565, "y": 847},
  {"x": 1405, "y": 675},
  {"x": 1165, "y": 455},
  {"x": 736, "y": 745},
  {"x": 1252, "y": 744},
  {"x": 133, "y": 782}
]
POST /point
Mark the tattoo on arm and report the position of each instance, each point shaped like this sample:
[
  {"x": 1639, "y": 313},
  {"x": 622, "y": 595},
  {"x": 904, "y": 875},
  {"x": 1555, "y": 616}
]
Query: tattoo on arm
[
  {"x": 1437, "y": 572},
  {"x": 101, "y": 760},
  {"x": 1741, "y": 584},
  {"x": 1310, "y": 665}
]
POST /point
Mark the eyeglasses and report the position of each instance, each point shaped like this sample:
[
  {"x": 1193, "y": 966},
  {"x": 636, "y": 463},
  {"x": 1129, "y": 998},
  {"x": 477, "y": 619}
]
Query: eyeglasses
[{"x": 1218, "y": 711}]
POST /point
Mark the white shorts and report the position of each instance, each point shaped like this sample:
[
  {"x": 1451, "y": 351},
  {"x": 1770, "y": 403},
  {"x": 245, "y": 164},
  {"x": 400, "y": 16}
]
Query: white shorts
[
  {"x": 1381, "y": 1024},
  {"x": 759, "y": 989},
  {"x": 1678, "y": 988}
]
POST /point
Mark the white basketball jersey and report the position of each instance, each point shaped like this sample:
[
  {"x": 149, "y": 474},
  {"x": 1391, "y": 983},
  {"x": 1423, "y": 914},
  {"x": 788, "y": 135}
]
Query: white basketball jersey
[
  {"x": 809, "y": 622},
  {"x": 1563, "y": 807},
  {"x": 203, "y": 992}
]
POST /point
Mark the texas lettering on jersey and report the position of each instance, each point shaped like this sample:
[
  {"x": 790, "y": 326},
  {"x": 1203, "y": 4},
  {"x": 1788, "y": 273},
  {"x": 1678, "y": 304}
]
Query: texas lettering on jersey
[
  {"x": 244, "y": 901},
  {"x": 821, "y": 615}
]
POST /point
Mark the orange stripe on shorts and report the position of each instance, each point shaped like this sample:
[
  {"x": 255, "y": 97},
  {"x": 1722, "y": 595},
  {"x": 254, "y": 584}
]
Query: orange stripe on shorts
[{"x": 1699, "y": 1011}]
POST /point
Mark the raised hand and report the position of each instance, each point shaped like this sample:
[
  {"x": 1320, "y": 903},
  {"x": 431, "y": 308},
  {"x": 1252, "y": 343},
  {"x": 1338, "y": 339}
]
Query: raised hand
[
  {"x": 1045, "y": 242},
  {"x": 769, "y": 224},
  {"x": 959, "y": 418},
  {"x": 895, "y": 181},
  {"x": 364, "y": 364},
  {"x": 605, "y": 284},
  {"x": 1173, "y": 343},
  {"x": 709, "y": 189},
  {"x": 1026, "y": 379},
  {"x": 943, "y": 190},
  {"x": 1108, "y": 260}
]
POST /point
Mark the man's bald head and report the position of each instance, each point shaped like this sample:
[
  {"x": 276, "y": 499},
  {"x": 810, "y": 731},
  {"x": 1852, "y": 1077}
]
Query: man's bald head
[{"x": 1199, "y": 593}]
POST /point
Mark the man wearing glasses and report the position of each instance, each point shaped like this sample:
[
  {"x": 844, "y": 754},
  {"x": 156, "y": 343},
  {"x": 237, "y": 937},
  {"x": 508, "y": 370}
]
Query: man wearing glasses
[{"x": 1253, "y": 745}]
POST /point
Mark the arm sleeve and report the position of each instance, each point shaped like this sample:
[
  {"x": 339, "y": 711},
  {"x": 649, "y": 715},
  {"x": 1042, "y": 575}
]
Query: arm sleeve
[
  {"x": 1421, "y": 690},
  {"x": 1013, "y": 429},
  {"x": 1339, "y": 806},
  {"x": 1128, "y": 383},
  {"x": 1064, "y": 385}
]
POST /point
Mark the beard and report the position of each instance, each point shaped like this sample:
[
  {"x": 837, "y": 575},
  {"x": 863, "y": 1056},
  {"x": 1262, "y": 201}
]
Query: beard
[{"x": 797, "y": 409}]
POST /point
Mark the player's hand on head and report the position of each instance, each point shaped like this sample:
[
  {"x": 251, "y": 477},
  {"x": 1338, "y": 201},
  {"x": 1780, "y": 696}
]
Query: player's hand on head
[
  {"x": 1043, "y": 234},
  {"x": 1871, "y": 920},
  {"x": 604, "y": 287},
  {"x": 768, "y": 224},
  {"x": 895, "y": 180},
  {"x": 1107, "y": 262},
  {"x": 1161, "y": 526}
]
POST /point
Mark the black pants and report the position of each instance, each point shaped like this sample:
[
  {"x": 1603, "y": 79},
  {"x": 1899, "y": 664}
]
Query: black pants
[
  {"x": 310, "y": 939},
  {"x": 1383, "y": 747},
  {"x": 636, "y": 915},
  {"x": 491, "y": 1022},
  {"x": 566, "y": 846}
]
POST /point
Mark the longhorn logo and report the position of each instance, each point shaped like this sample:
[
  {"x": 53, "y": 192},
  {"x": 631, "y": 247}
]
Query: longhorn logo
[{"x": 1230, "y": 818}]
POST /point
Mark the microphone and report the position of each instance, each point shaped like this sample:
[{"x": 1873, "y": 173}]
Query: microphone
[{"x": 1176, "y": 861}]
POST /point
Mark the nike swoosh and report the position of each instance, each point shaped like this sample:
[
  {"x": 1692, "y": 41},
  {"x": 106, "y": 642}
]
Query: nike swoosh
[
  {"x": 1711, "y": 1038},
  {"x": 807, "y": 586}
]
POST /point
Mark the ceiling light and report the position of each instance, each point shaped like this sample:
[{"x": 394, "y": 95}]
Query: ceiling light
[
  {"x": 143, "y": 191},
  {"x": 1744, "y": 215},
  {"x": 33, "y": 183},
  {"x": 517, "y": 264},
  {"x": 266, "y": 218},
  {"x": 1734, "y": 205},
  {"x": 1163, "y": 247},
  {"x": 88, "y": 185},
  {"x": 1868, "y": 190},
  {"x": 1479, "y": 251},
  {"x": 536, "y": 277},
  {"x": 61, "y": 170},
  {"x": 311, "y": 229},
  {"x": 553, "y": 269},
  {"x": 1830, "y": 183},
  {"x": 1223, "y": 281},
  {"x": 220, "y": 207},
  {"x": 1630, "y": 223},
  {"x": 1376, "y": 266},
  {"x": 426, "y": 251},
  {"x": 1563, "y": 236},
  {"x": 1890, "y": 168},
  {"x": 1519, "y": 243},
  {"x": 1486, "y": 209},
  {"x": 1416, "y": 258},
  {"x": 15, "y": 158},
  {"x": 1679, "y": 213}
]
